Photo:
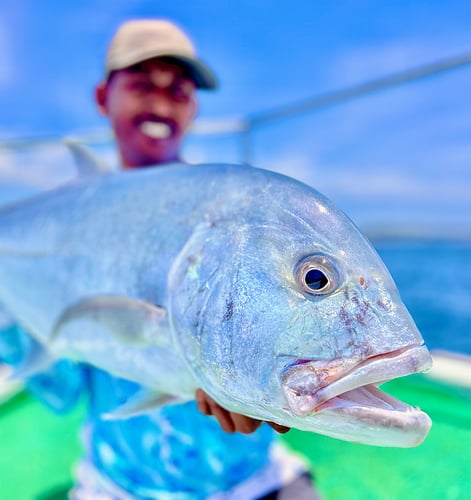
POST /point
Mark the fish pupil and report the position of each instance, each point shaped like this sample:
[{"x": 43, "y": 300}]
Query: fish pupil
[{"x": 315, "y": 279}]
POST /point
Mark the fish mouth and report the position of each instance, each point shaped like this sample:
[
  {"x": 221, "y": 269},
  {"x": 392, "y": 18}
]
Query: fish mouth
[{"x": 347, "y": 388}]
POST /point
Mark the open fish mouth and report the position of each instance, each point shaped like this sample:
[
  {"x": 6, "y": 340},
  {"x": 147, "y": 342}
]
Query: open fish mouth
[{"x": 350, "y": 386}]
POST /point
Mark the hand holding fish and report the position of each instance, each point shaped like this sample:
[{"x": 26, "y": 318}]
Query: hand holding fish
[{"x": 230, "y": 421}]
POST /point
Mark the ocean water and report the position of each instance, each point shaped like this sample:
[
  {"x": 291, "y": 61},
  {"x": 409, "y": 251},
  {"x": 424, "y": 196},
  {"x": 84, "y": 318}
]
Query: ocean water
[{"x": 434, "y": 280}]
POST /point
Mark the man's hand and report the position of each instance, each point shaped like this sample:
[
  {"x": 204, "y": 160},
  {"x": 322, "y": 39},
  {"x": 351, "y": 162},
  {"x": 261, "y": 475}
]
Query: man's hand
[{"x": 230, "y": 421}]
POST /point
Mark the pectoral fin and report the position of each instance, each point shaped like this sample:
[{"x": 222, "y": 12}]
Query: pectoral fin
[
  {"x": 126, "y": 319},
  {"x": 143, "y": 402}
]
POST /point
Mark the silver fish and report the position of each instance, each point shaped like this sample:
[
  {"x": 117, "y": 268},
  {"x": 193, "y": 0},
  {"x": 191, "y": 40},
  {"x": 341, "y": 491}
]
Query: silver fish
[{"x": 240, "y": 281}]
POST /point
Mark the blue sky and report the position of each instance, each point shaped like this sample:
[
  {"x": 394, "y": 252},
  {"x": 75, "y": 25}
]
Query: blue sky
[{"x": 397, "y": 159}]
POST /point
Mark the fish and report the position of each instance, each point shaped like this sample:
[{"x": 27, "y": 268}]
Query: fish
[{"x": 240, "y": 281}]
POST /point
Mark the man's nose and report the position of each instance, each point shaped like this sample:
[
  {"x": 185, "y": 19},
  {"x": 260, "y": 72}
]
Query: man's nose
[{"x": 161, "y": 105}]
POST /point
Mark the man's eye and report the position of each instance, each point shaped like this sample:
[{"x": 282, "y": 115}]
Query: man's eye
[
  {"x": 180, "y": 93},
  {"x": 142, "y": 86}
]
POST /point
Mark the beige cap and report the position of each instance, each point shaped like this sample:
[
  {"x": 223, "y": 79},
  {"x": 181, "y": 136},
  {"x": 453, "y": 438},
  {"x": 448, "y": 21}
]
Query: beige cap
[{"x": 141, "y": 39}]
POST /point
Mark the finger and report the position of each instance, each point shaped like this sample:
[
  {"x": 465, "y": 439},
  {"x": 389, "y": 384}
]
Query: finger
[
  {"x": 281, "y": 429},
  {"x": 245, "y": 425},
  {"x": 202, "y": 403},
  {"x": 230, "y": 422},
  {"x": 208, "y": 406},
  {"x": 223, "y": 417}
]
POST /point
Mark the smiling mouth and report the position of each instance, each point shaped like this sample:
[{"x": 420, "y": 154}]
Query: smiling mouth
[
  {"x": 156, "y": 129},
  {"x": 314, "y": 386}
]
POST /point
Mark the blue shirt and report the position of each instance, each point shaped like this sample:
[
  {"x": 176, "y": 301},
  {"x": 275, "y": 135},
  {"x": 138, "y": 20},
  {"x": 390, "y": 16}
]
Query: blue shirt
[{"x": 174, "y": 449}]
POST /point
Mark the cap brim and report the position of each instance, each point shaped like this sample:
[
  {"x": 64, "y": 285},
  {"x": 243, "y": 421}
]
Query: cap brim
[
  {"x": 197, "y": 71},
  {"x": 201, "y": 74}
]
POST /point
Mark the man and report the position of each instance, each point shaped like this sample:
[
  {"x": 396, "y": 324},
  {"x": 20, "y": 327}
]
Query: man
[
  {"x": 149, "y": 97},
  {"x": 151, "y": 104}
]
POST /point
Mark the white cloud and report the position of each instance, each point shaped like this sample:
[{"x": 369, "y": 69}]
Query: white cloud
[
  {"x": 40, "y": 167},
  {"x": 361, "y": 63},
  {"x": 384, "y": 196}
]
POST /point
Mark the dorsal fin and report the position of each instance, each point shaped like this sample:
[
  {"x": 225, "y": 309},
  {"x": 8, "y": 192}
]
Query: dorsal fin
[{"x": 86, "y": 162}]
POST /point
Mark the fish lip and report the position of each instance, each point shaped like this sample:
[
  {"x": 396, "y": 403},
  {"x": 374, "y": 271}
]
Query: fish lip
[
  {"x": 371, "y": 416},
  {"x": 352, "y": 375}
]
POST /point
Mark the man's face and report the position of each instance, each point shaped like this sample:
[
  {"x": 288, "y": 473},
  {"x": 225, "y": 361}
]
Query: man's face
[{"x": 150, "y": 107}]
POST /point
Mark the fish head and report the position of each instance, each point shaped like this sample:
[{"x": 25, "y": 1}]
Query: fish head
[{"x": 293, "y": 317}]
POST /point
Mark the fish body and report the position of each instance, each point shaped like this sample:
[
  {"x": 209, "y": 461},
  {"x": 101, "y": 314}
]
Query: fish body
[{"x": 240, "y": 281}]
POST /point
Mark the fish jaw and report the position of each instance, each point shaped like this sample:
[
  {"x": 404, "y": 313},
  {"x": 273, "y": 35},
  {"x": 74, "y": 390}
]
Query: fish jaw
[
  {"x": 368, "y": 416},
  {"x": 345, "y": 395}
]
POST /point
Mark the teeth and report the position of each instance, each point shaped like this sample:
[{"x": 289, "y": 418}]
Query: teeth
[{"x": 156, "y": 130}]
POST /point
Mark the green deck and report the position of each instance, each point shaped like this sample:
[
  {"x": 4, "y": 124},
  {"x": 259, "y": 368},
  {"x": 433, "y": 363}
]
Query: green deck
[{"x": 38, "y": 449}]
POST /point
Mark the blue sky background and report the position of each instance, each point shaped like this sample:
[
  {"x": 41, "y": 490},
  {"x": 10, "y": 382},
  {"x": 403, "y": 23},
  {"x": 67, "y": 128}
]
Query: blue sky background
[{"x": 395, "y": 161}]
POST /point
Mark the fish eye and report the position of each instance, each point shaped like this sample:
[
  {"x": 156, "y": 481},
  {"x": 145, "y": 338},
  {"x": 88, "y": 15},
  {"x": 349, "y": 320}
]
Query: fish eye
[{"x": 316, "y": 275}]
